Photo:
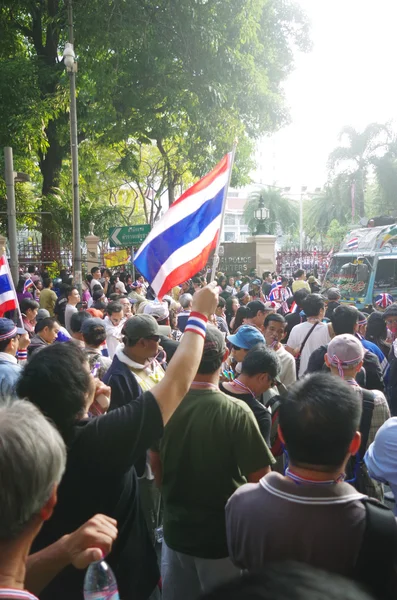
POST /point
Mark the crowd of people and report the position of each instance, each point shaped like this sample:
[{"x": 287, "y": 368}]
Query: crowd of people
[{"x": 222, "y": 428}]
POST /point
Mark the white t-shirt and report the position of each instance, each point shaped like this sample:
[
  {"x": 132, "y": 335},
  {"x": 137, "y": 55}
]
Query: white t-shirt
[
  {"x": 288, "y": 369},
  {"x": 95, "y": 282},
  {"x": 69, "y": 311},
  {"x": 319, "y": 337}
]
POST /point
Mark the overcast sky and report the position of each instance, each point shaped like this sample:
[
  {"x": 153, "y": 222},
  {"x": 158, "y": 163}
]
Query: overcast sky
[{"x": 349, "y": 78}]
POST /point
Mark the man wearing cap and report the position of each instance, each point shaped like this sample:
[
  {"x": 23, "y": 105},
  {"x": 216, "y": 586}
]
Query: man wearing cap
[
  {"x": 344, "y": 357},
  {"x": 255, "y": 290},
  {"x": 243, "y": 297},
  {"x": 259, "y": 370},
  {"x": 345, "y": 320},
  {"x": 257, "y": 311},
  {"x": 94, "y": 334},
  {"x": 333, "y": 295},
  {"x": 137, "y": 293},
  {"x": 135, "y": 370},
  {"x": 13, "y": 353},
  {"x": 209, "y": 448},
  {"x": 243, "y": 340}
]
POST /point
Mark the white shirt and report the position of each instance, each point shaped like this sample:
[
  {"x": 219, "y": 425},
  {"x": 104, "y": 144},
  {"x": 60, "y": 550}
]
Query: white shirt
[
  {"x": 95, "y": 282},
  {"x": 113, "y": 336},
  {"x": 288, "y": 369},
  {"x": 8, "y": 358},
  {"x": 69, "y": 311},
  {"x": 319, "y": 337}
]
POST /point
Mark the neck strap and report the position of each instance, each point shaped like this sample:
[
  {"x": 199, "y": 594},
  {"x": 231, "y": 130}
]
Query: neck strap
[{"x": 305, "y": 481}]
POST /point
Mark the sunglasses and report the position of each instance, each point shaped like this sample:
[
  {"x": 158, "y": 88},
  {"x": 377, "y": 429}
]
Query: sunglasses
[{"x": 236, "y": 347}]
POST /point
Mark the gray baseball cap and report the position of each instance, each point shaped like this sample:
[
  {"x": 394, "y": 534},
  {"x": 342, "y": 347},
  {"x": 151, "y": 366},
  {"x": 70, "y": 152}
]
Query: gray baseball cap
[
  {"x": 140, "y": 326},
  {"x": 345, "y": 351}
]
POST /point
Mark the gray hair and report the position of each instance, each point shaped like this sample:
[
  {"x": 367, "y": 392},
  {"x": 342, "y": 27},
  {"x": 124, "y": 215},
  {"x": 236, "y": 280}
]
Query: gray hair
[
  {"x": 185, "y": 300},
  {"x": 32, "y": 462}
]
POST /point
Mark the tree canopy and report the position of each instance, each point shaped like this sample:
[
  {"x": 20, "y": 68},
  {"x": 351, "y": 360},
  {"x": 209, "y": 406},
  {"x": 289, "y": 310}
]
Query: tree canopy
[{"x": 187, "y": 76}]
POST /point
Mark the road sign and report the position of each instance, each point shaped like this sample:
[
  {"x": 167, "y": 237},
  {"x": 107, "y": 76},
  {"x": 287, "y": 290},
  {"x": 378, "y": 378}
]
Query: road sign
[{"x": 128, "y": 236}]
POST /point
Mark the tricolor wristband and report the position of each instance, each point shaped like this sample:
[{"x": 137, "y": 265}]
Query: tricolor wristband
[
  {"x": 22, "y": 354},
  {"x": 197, "y": 323}
]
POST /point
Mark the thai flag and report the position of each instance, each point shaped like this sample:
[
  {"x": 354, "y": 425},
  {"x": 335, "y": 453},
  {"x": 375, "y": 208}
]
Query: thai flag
[
  {"x": 180, "y": 243},
  {"x": 8, "y": 298},
  {"x": 28, "y": 283},
  {"x": 352, "y": 244},
  {"x": 294, "y": 308},
  {"x": 275, "y": 294},
  {"x": 383, "y": 300}
]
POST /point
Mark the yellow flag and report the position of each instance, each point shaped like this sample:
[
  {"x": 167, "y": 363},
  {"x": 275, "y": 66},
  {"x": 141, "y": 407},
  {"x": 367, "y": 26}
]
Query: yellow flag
[{"x": 114, "y": 259}]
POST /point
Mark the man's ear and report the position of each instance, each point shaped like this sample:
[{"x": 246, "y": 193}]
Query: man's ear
[
  {"x": 355, "y": 444},
  {"x": 326, "y": 360},
  {"x": 48, "y": 508}
]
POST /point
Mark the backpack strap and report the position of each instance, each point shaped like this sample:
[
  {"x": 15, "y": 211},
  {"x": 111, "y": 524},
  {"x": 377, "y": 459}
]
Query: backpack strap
[
  {"x": 377, "y": 556},
  {"x": 368, "y": 399},
  {"x": 306, "y": 338}
]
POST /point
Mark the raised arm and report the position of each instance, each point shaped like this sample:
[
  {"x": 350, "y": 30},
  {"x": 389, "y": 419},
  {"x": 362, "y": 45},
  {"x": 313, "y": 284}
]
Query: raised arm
[{"x": 171, "y": 390}]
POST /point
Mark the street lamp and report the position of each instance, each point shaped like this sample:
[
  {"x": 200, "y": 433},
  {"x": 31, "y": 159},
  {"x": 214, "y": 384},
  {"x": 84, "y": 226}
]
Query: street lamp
[
  {"x": 71, "y": 67},
  {"x": 261, "y": 215}
]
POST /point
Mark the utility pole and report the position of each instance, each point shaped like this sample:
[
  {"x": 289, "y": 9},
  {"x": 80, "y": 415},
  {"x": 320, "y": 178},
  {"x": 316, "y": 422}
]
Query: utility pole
[
  {"x": 11, "y": 213},
  {"x": 71, "y": 67}
]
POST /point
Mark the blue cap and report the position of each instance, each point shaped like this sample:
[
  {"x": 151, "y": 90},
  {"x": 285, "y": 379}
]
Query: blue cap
[
  {"x": 246, "y": 337},
  {"x": 9, "y": 330}
]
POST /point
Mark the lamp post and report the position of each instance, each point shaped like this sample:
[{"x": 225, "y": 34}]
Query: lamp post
[
  {"x": 261, "y": 215},
  {"x": 71, "y": 67},
  {"x": 12, "y": 177}
]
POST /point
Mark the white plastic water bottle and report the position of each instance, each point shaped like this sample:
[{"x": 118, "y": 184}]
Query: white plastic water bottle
[{"x": 100, "y": 582}]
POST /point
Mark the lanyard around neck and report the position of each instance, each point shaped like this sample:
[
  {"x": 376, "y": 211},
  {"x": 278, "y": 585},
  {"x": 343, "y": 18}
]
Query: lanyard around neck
[
  {"x": 238, "y": 384},
  {"x": 203, "y": 385},
  {"x": 303, "y": 481}
]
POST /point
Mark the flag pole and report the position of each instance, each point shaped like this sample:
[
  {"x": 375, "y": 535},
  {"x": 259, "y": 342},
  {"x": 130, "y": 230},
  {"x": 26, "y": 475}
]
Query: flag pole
[{"x": 215, "y": 261}]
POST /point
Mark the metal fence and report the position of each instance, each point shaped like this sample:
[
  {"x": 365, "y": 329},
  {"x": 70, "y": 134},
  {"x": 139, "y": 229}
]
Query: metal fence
[{"x": 288, "y": 261}]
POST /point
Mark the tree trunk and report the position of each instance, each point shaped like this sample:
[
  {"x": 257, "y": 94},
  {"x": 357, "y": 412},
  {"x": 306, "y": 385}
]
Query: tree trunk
[
  {"x": 46, "y": 42},
  {"x": 171, "y": 176}
]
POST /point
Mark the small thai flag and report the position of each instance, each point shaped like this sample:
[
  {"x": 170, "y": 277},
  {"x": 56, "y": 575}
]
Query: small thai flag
[
  {"x": 8, "y": 300},
  {"x": 28, "y": 283},
  {"x": 294, "y": 307},
  {"x": 352, "y": 244},
  {"x": 383, "y": 300},
  {"x": 275, "y": 294}
]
